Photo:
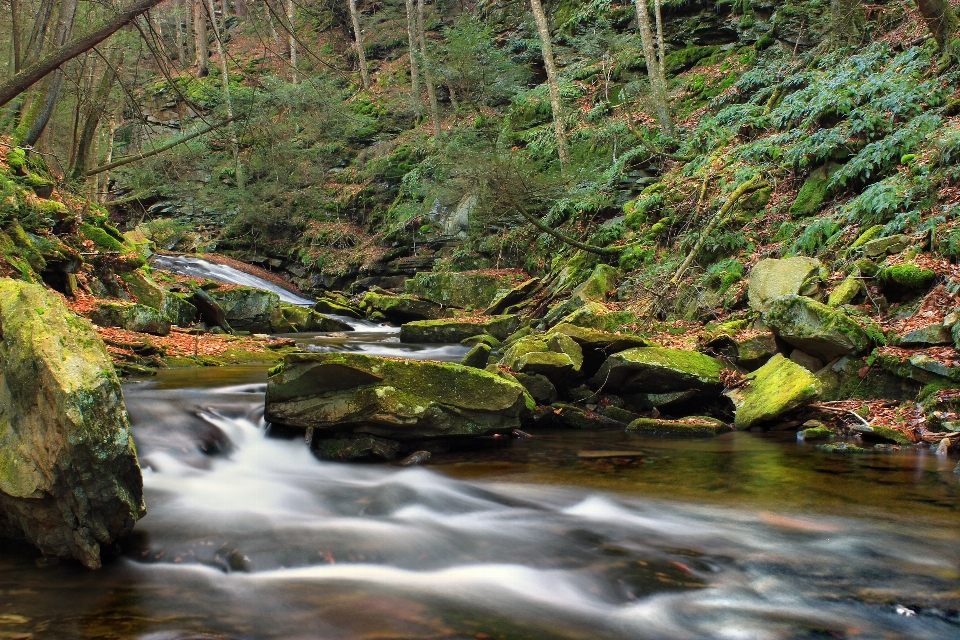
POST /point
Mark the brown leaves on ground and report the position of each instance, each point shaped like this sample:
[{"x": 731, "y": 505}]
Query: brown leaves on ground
[
  {"x": 905, "y": 417},
  {"x": 179, "y": 343}
]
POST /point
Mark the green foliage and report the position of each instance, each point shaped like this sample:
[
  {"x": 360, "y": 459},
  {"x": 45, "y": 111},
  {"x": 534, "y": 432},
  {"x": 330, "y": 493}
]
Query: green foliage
[{"x": 102, "y": 239}]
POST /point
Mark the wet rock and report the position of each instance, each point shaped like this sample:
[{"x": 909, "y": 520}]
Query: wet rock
[
  {"x": 477, "y": 357},
  {"x": 657, "y": 370},
  {"x": 391, "y": 398},
  {"x": 771, "y": 278},
  {"x": 691, "y": 427},
  {"x": 538, "y": 386},
  {"x": 401, "y": 308},
  {"x": 327, "y": 306},
  {"x": 434, "y": 331},
  {"x": 210, "y": 310},
  {"x": 70, "y": 482},
  {"x": 348, "y": 449},
  {"x": 774, "y": 389},
  {"x": 815, "y": 430},
  {"x": 842, "y": 447},
  {"x": 463, "y": 290},
  {"x": 570, "y": 416},
  {"x": 415, "y": 458},
  {"x": 132, "y": 317},
  {"x": 815, "y": 328},
  {"x": 928, "y": 336},
  {"x": 248, "y": 309}
]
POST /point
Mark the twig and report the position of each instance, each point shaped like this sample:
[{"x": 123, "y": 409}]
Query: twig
[{"x": 856, "y": 415}]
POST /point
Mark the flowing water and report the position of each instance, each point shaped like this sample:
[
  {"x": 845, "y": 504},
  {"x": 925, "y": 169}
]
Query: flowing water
[{"x": 563, "y": 535}]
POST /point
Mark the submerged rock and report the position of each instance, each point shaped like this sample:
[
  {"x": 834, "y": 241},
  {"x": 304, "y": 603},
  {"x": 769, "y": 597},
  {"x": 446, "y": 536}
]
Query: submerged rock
[
  {"x": 774, "y": 389},
  {"x": 434, "y": 331},
  {"x": 70, "y": 482},
  {"x": 815, "y": 328},
  {"x": 132, "y": 317},
  {"x": 771, "y": 278},
  {"x": 348, "y": 449},
  {"x": 354, "y": 394},
  {"x": 691, "y": 427},
  {"x": 656, "y": 370}
]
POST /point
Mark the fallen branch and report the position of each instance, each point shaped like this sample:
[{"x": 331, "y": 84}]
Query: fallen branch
[
  {"x": 158, "y": 150},
  {"x": 826, "y": 407},
  {"x": 600, "y": 251}
]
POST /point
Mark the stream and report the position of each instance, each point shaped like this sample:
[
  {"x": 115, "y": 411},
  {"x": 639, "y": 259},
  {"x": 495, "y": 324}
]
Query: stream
[{"x": 568, "y": 534}]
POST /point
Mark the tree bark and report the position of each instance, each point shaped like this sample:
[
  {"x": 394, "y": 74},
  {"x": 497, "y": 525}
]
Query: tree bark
[
  {"x": 38, "y": 34},
  {"x": 68, "y": 12},
  {"x": 655, "y": 73},
  {"x": 553, "y": 81},
  {"x": 942, "y": 21},
  {"x": 364, "y": 70},
  {"x": 427, "y": 71},
  {"x": 92, "y": 122},
  {"x": 23, "y": 80},
  {"x": 292, "y": 42},
  {"x": 189, "y": 36},
  {"x": 225, "y": 84},
  {"x": 273, "y": 30},
  {"x": 15, "y": 36},
  {"x": 414, "y": 67},
  {"x": 202, "y": 42}
]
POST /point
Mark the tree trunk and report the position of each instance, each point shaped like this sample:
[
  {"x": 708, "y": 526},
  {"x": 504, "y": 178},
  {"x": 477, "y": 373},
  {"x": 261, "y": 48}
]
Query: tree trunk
[
  {"x": 414, "y": 67},
  {"x": 38, "y": 34},
  {"x": 189, "y": 35},
  {"x": 241, "y": 8},
  {"x": 553, "y": 81},
  {"x": 942, "y": 21},
  {"x": 200, "y": 39},
  {"x": 92, "y": 121},
  {"x": 293, "y": 42},
  {"x": 658, "y": 87},
  {"x": 178, "y": 33},
  {"x": 427, "y": 71},
  {"x": 225, "y": 84},
  {"x": 273, "y": 30},
  {"x": 661, "y": 48},
  {"x": 15, "y": 36},
  {"x": 68, "y": 12},
  {"x": 153, "y": 152},
  {"x": 364, "y": 70}
]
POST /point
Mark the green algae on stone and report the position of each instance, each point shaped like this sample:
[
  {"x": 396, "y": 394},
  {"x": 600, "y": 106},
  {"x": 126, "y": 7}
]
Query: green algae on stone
[
  {"x": 656, "y": 369},
  {"x": 70, "y": 482},
  {"x": 907, "y": 275},
  {"x": 774, "y": 389},
  {"x": 596, "y": 288},
  {"x": 815, "y": 433},
  {"x": 477, "y": 357},
  {"x": 813, "y": 193},
  {"x": 454, "y": 330},
  {"x": 327, "y": 306},
  {"x": 846, "y": 291},
  {"x": 886, "y": 434},
  {"x": 690, "y": 427},
  {"x": 302, "y": 319},
  {"x": 815, "y": 328},
  {"x": 392, "y": 398},
  {"x": 486, "y": 339}
]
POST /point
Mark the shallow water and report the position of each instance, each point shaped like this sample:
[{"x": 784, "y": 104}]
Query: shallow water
[{"x": 737, "y": 537}]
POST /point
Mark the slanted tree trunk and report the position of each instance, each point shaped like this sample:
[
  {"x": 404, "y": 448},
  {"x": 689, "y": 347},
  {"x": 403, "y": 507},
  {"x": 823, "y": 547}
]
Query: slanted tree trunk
[
  {"x": 658, "y": 88},
  {"x": 15, "y": 36},
  {"x": 292, "y": 42},
  {"x": 427, "y": 70},
  {"x": 92, "y": 122},
  {"x": 414, "y": 67},
  {"x": 200, "y": 39},
  {"x": 553, "y": 80},
  {"x": 355, "y": 19},
  {"x": 225, "y": 84},
  {"x": 942, "y": 21},
  {"x": 38, "y": 34}
]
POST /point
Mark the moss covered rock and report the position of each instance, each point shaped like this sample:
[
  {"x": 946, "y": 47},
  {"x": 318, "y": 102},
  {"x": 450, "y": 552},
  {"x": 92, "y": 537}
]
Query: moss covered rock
[
  {"x": 606, "y": 341},
  {"x": 657, "y": 370},
  {"x": 299, "y": 319},
  {"x": 248, "y": 309},
  {"x": 691, "y": 427},
  {"x": 132, "y": 317},
  {"x": 846, "y": 292},
  {"x": 397, "y": 399},
  {"x": 69, "y": 478},
  {"x": 907, "y": 277},
  {"x": 478, "y": 357},
  {"x": 554, "y": 357},
  {"x": 770, "y": 279},
  {"x": 594, "y": 315},
  {"x": 457, "y": 330},
  {"x": 464, "y": 290},
  {"x": 815, "y": 328},
  {"x": 774, "y": 389},
  {"x": 596, "y": 288},
  {"x": 402, "y": 308},
  {"x": 331, "y": 307}
]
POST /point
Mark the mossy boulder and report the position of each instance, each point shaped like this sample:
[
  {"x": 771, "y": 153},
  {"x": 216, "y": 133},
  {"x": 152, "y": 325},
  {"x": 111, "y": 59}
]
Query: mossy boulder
[
  {"x": 553, "y": 357},
  {"x": 330, "y": 307},
  {"x": 881, "y": 246},
  {"x": 906, "y": 278},
  {"x": 776, "y": 388},
  {"x": 690, "y": 427},
  {"x": 144, "y": 289},
  {"x": 596, "y": 288},
  {"x": 457, "y": 330},
  {"x": 478, "y": 357},
  {"x": 815, "y": 328},
  {"x": 132, "y": 317},
  {"x": 819, "y": 432},
  {"x": 813, "y": 192},
  {"x": 771, "y": 278},
  {"x": 657, "y": 370},
  {"x": 463, "y": 290},
  {"x": 247, "y": 308},
  {"x": 847, "y": 291},
  {"x": 401, "y": 308},
  {"x": 595, "y": 315},
  {"x": 178, "y": 308},
  {"x": 514, "y": 296},
  {"x": 606, "y": 341},
  {"x": 538, "y": 386},
  {"x": 880, "y": 433},
  {"x": 297, "y": 319},
  {"x": 352, "y": 394},
  {"x": 70, "y": 482},
  {"x": 928, "y": 336}
]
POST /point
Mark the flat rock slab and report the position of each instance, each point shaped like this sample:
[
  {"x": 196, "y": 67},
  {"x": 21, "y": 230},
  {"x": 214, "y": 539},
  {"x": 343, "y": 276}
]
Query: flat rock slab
[
  {"x": 774, "y": 389},
  {"x": 597, "y": 339},
  {"x": 449, "y": 331},
  {"x": 596, "y": 455},
  {"x": 771, "y": 278},
  {"x": 350, "y": 394},
  {"x": 692, "y": 427},
  {"x": 658, "y": 370}
]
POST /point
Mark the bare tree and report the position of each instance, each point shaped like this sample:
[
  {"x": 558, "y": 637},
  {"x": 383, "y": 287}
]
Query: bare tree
[
  {"x": 292, "y": 44},
  {"x": 188, "y": 36},
  {"x": 15, "y": 36},
  {"x": 225, "y": 84},
  {"x": 414, "y": 67},
  {"x": 97, "y": 108},
  {"x": 201, "y": 39},
  {"x": 355, "y": 19},
  {"x": 427, "y": 71},
  {"x": 38, "y": 118},
  {"x": 553, "y": 80},
  {"x": 658, "y": 85}
]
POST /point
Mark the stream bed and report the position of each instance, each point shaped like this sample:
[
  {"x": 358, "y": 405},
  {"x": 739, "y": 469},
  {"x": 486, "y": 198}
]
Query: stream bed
[{"x": 563, "y": 535}]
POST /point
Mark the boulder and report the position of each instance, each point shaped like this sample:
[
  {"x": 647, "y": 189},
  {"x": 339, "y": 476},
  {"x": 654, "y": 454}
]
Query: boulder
[
  {"x": 477, "y": 357},
  {"x": 402, "y": 308},
  {"x": 249, "y": 309},
  {"x": 538, "y": 386},
  {"x": 774, "y": 389},
  {"x": 596, "y": 288},
  {"x": 178, "y": 308},
  {"x": 928, "y": 336},
  {"x": 352, "y": 395},
  {"x": 690, "y": 427},
  {"x": 890, "y": 244},
  {"x": 349, "y": 449},
  {"x": 463, "y": 290},
  {"x": 294, "y": 318},
  {"x": 132, "y": 317},
  {"x": 596, "y": 339},
  {"x": 594, "y": 315},
  {"x": 484, "y": 338},
  {"x": 144, "y": 289},
  {"x": 570, "y": 416},
  {"x": 754, "y": 351},
  {"x": 815, "y": 328},
  {"x": 657, "y": 370},
  {"x": 70, "y": 482},
  {"x": 806, "y": 360},
  {"x": 210, "y": 311},
  {"x": 554, "y": 357},
  {"x": 514, "y": 296},
  {"x": 329, "y": 307},
  {"x": 847, "y": 291},
  {"x": 456, "y": 330},
  {"x": 771, "y": 278}
]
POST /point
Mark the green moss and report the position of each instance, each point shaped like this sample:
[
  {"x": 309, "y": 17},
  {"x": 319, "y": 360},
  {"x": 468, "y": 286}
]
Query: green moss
[
  {"x": 842, "y": 447},
  {"x": 870, "y": 234},
  {"x": 691, "y": 427},
  {"x": 776, "y": 388},
  {"x": 891, "y": 435},
  {"x": 816, "y": 433},
  {"x": 16, "y": 159},
  {"x": 908, "y": 275},
  {"x": 813, "y": 193},
  {"x": 101, "y": 239}
]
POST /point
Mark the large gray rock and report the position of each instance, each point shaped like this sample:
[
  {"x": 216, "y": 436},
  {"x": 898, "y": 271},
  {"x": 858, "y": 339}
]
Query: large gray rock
[
  {"x": 249, "y": 309},
  {"x": 350, "y": 394},
  {"x": 132, "y": 317},
  {"x": 815, "y": 328},
  {"x": 770, "y": 279},
  {"x": 657, "y": 370},
  {"x": 69, "y": 477}
]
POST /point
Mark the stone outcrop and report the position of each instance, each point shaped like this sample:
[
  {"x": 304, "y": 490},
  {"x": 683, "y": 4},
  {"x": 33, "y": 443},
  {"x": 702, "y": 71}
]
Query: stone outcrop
[
  {"x": 596, "y": 288},
  {"x": 344, "y": 395},
  {"x": 463, "y": 290},
  {"x": 554, "y": 357},
  {"x": 657, "y": 370},
  {"x": 132, "y": 317},
  {"x": 771, "y": 278},
  {"x": 457, "y": 330},
  {"x": 773, "y": 390},
  {"x": 402, "y": 308},
  {"x": 815, "y": 328},
  {"x": 70, "y": 482}
]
